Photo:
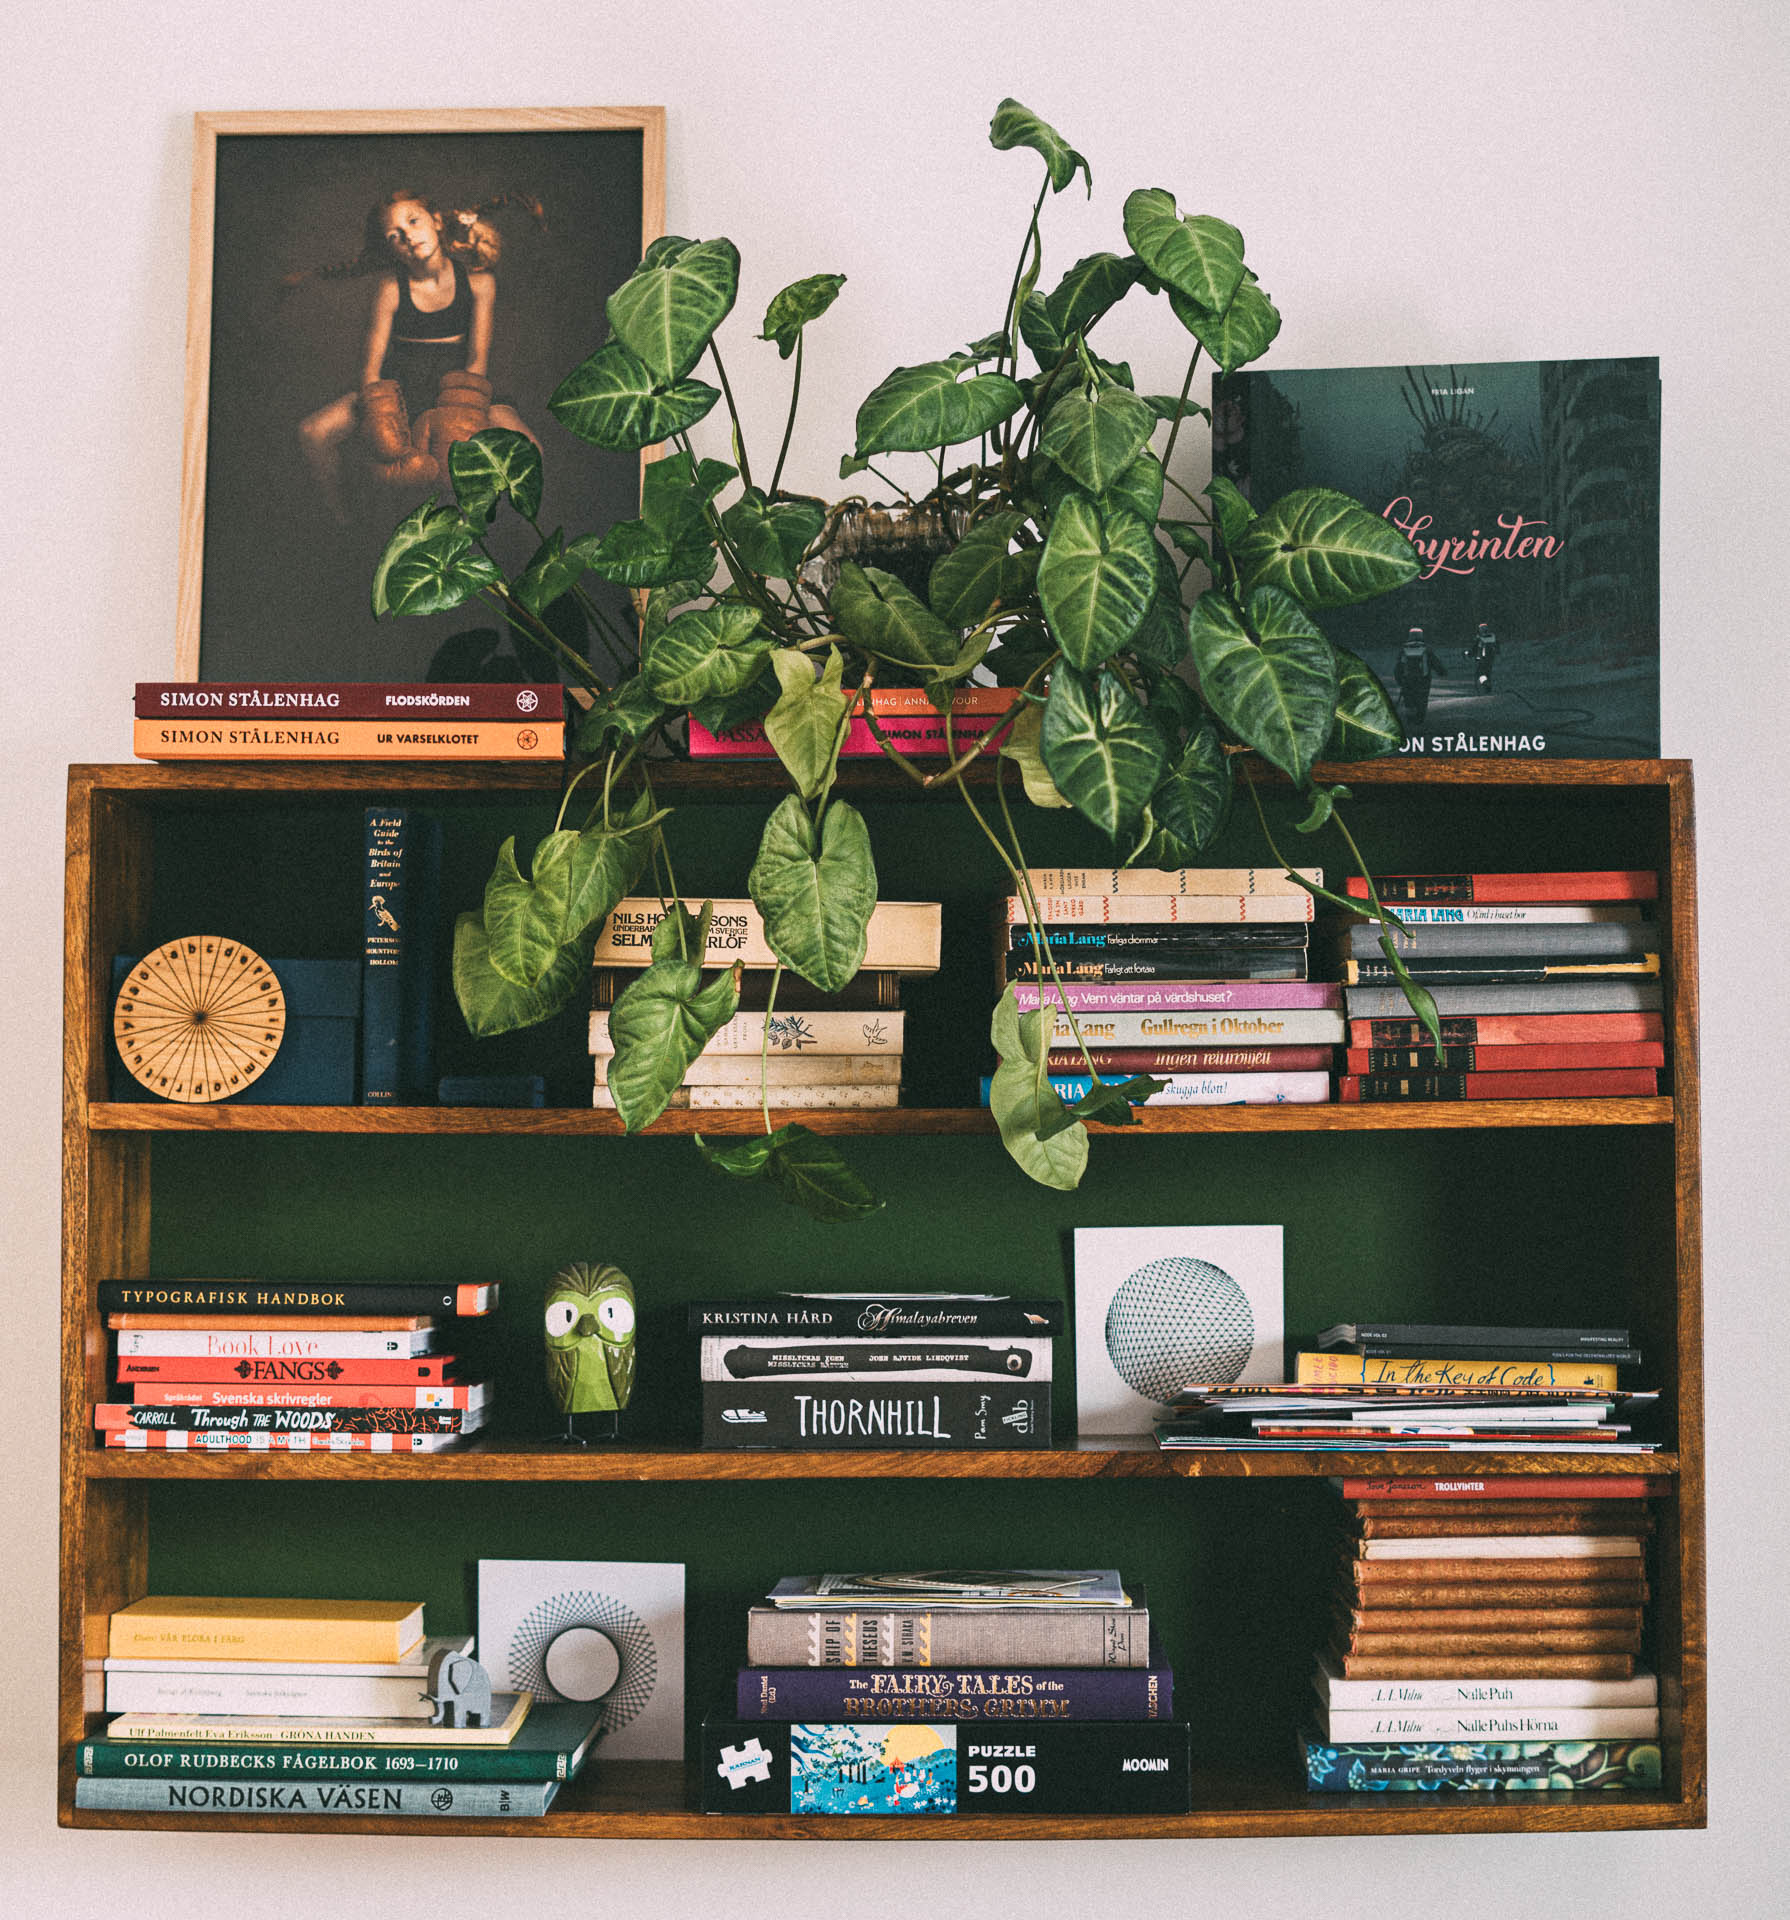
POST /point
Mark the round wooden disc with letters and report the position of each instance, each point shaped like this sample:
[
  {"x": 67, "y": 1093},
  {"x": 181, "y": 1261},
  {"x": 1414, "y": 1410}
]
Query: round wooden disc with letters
[{"x": 199, "y": 1019}]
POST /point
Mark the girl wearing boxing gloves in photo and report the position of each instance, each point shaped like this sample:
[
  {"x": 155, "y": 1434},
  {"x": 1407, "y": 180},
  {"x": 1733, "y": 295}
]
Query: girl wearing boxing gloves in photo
[{"x": 424, "y": 373}]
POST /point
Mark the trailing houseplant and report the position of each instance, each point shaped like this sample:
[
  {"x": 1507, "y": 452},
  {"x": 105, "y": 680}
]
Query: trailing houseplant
[{"x": 1063, "y": 541}]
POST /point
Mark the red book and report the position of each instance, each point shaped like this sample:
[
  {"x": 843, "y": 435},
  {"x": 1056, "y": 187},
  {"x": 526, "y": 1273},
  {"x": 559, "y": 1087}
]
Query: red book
[
  {"x": 1196, "y": 1059},
  {"x": 348, "y": 700},
  {"x": 1614, "y": 1082},
  {"x": 1422, "y": 1059},
  {"x": 1467, "y": 887},
  {"x": 235, "y": 1393},
  {"x": 1513, "y": 1030},
  {"x": 433, "y": 1369},
  {"x": 1527, "y": 1486}
]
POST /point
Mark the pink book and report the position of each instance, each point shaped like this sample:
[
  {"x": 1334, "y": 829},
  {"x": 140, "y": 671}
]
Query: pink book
[
  {"x": 908, "y": 719},
  {"x": 1182, "y": 996}
]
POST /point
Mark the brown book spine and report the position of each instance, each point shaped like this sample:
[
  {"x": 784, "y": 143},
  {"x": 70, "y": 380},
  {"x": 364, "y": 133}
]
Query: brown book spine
[
  {"x": 1453, "y": 1509},
  {"x": 1582, "y": 1572},
  {"x": 1429, "y": 1527},
  {"x": 1460, "y": 1666},
  {"x": 1438, "y": 1593},
  {"x": 870, "y": 987},
  {"x": 1488, "y": 1619},
  {"x": 1579, "y": 1640}
]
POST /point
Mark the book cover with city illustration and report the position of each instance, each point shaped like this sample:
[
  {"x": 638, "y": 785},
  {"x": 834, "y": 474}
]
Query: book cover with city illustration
[{"x": 1531, "y": 491}]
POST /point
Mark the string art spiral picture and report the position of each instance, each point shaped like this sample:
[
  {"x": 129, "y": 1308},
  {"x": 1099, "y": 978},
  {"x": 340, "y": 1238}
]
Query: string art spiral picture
[{"x": 199, "y": 1019}]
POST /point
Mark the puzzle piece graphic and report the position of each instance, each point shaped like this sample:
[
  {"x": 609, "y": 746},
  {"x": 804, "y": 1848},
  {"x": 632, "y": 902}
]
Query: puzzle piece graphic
[{"x": 740, "y": 1764}]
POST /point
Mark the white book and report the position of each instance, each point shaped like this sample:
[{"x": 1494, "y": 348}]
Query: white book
[
  {"x": 258, "y": 1687},
  {"x": 1640, "y": 1690},
  {"x": 903, "y": 938},
  {"x": 1164, "y": 909},
  {"x": 1505, "y": 1546},
  {"x": 1269, "y": 1027},
  {"x": 733, "y": 1099},
  {"x": 783, "y": 1070},
  {"x": 1177, "y": 880},
  {"x": 1491, "y": 1723},
  {"x": 1504, "y": 913},
  {"x": 825, "y": 1032},
  {"x": 850, "y": 1359},
  {"x": 416, "y": 1661},
  {"x": 280, "y": 1345}
]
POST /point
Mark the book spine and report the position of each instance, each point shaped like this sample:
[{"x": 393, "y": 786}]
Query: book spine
[
  {"x": 889, "y": 1317},
  {"x": 1447, "y": 888},
  {"x": 136, "y": 1439},
  {"x": 1180, "y": 881},
  {"x": 297, "y": 1345},
  {"x": 1522, "y": 1666},
  {"x": 1483, "y": 1642},
  {"x": 1124, "y": 1061},
  {"x": 1007, "y": 1694},
  {"x": 1385, "y": 1333},
  {"x": 903, "y": 936},
  {"x": 1590, "y": 940},
  {"x": 1425, "y": 1522},
  {"x": 959, "y": 1637},
  {"x": 1256, "y": 968},
  {"x": 189, "y": 1371},
  {"x": 1511, "y": 913},
  {"x": 1340, "y": 1369},
  {"x": 1187, "y": 910},
  {"x": 1206, "y": 1089},
  {"x": 727, "y": 1358},
  {"x": 810, "y": 1098},
  {"x": 294, "y": 1297},
  {"x": 293, "y": 1695},
  {"x": 309, "y": 739},
  {"x": 1580, "y": 1571},
  {"x": 1513, "y": 1030},
  {"x": 1434, "y": 1592},
  {"x": 782, "y": 1070},
  {"x": 206, "y": 1759},
  {"x": 794, "y": 1036},
  {"x": 1541, "y": 1486},
  {"x": 1369, "y": 1621},
  {"x": 385, "y": 908},
  {"x": 420, "y": 941},
  {"x": 285, "y": 1420},
  {"x": 1472, "y": 1723},
  {"x": 977, "y": 1415},
  {"x": 837, "y": 1767},
  {"x": 1501, "y": 970},
  {"x": 916, "y": 734},
  {"x": 434, "y": 1799},
  {"x": 349, "y": 700},
  {"x": 1595, "y": 1084},
  {"x": 1470, "y": 1059},
  {"x": 1540, "y": 997},
  {"x": 1520, "y": 1546},
  {"x": 1168, "y": 1029},
  {"x": 1480, "y": 1767},
  {"x": 191, "y": 1393},
  {"x": 1208, "y": 997},
  {"x": 1422, "y": 1696}
]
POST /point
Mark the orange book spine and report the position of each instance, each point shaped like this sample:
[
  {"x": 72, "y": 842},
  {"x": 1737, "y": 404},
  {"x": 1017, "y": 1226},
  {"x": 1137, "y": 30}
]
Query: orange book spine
[
  {"x": 235, "y": 739},
  {"x": 1466, "y": 1666}
]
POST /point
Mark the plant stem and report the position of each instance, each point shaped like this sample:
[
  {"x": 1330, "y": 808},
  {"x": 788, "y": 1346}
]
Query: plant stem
[
  {"x": 1180, "y": 407},
  {"x": 542, "y": 635},
  {"x": 789, "y": 426},
  {"x": 1010, "y": 326},
  {"x": 764, "y": 1039},
  {"x": 739, "y": 437}
]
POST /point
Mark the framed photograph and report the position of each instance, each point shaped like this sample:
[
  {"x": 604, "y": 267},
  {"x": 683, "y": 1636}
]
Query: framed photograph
[
  {"x": 1161, "y": 1308},
  {"x": 365, "y": 287}
]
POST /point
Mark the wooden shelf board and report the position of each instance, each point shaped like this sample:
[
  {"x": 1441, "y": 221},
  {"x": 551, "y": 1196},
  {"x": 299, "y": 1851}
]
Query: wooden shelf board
[
  {"x": 131, "y": 1116},
  {"x": 652, "y": 1801},
  {"x": 1093, "y": 1459}
]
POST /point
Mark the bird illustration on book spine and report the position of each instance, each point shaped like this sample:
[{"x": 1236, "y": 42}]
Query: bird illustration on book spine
[{"x": 588, "y": 1325}]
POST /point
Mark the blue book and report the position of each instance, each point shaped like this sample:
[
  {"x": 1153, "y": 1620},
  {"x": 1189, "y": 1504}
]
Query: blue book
[
  {"x": 401, "y": 914},
  {"x": 1480, "y": 1766},
  {"x": 438, "y": 1799}
]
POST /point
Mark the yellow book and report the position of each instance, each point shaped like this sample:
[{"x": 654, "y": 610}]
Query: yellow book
[
  {"x": 1371, "y": 1370},
  {"x": 274, "y": 1730},
  {"x": 186, "y": 1628}
]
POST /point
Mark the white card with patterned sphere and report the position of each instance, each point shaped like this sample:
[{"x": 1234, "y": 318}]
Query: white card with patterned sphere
[
  {"x": 1161, "y": 1308},
  {"x": 608, "y": 1630}
]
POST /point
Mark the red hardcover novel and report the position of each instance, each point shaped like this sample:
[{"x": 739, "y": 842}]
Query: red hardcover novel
[
  {"x": 1615, "y": 1082},
  {"x": 349, "y": 700},
  {"x": 435, "y": 1369},
  {"x": 1470, "y": 887},
  {"x": 1422, "y": 1059},
  {"x": 1528, "y": 1486},
  {"x": 1513, "y": 1030},
  {"x": 1195, "y": 1059}
]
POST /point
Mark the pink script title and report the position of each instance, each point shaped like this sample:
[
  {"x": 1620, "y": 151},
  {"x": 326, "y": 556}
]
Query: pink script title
[{"x": 1517, "y": 539}]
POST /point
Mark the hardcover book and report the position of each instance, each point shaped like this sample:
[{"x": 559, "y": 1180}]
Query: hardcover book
[
  {"x": 182, "y": 1627},
  {"x": 963, "y": 1412},
  {"x": 1530, "y": 490},
  {"x": 879, "y": 1315},
  {"x": 1480, "y": 1765},
  {"x": 458, "y": 1800},
  {"x": 886, "y": 1635},
  {"x": 351, "y": 700}
]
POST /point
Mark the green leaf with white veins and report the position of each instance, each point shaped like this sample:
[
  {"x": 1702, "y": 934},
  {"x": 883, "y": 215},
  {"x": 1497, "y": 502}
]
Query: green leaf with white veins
[
  {"x": 1194, "y": 795},
  {"x": 1198, "y": 255},
  {"x": 1089, "y": 289},
  {"x": 1095, "y": 438},
  {"x": 981, "y": 569},
  {"x": 1100, "y": 747},
  {"x": 1096, "y": 579},
  {"x": 1278, "y": 696},
  {"x": 919, "y": 408},
  {"x": 1231, "y": 505},
  {"x": 1017, "y": 126},
  {"x": 667, "y": 313},
  {"x": 1366, "y": 725},
  {"x": 436, "y": 574},
  {"x": 707, "y": 651},
  {"x": 1041, "y": 1134},
  {"x": 659, "y": 1024},
  {"x": 606, "y": 865},
  {"x": 492, "y": 464},
  {"x": 525, "y": 919},
  {"x": 419, "y": 528},
  {"x": 771, "y": 536},
  {"x": 878, "y": 613},
  {"x": 613, "y": 400},
  {"x": 1325, "y": 549},
  {"x": 815, "y": 891},
  {"x": 792, "y": 309},
  {"x": 1242, "y": 333},
  {"x": 807, "y": 725},
  {"x": 492, "y": 1004}
]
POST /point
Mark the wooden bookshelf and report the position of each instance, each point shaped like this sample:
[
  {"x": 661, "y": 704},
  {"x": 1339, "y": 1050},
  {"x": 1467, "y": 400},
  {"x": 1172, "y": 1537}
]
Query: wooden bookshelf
[{"x": 1614, "y": 1182}]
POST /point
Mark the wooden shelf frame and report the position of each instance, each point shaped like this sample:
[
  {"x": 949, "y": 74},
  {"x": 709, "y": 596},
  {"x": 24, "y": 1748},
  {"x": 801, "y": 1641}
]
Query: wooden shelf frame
[{"x": 106, "y": 1189}]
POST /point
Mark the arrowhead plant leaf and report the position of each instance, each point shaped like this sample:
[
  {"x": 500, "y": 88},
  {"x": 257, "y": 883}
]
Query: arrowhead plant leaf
[
  {"x": 1198, "y": 256},
  {"x": 494, "y": 464},
  {"x": 614, "y": 400},
  {"x": 1101, "y": 749},
  {"x": 878, "y": 613},
  {"x": 1096, "y": 579},
  {"x": 1017, "y": 126},
  {"x": 919, "y": 408},
  {"x": 792, "y": 309},
  {"x": 815, "y": 890},
  {"x": 708, "y": 651},
  {"x": 1275, "y": 691},
  {"x": 1323, "y": 548},
  {"x": 1366, "y": 725},
  {"x": 666, "y": 313},
  {"x": 1095, "y": 438}
]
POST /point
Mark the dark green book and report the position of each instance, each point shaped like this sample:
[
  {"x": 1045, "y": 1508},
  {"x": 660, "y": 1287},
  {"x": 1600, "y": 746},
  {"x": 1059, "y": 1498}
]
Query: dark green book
[{"x": 551, "y": 1745}]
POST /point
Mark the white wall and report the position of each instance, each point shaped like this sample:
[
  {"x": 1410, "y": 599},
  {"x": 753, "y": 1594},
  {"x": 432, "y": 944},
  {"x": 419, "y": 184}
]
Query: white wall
[{"x": 1417, "y": 181}]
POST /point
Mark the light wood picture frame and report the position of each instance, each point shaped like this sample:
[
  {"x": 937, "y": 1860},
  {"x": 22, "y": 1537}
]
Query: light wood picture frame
[{"x": 284, "y": 510}]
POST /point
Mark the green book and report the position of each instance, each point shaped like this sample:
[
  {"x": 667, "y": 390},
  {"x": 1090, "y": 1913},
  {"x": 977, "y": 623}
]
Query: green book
[{"x": 550, "y": 1745}]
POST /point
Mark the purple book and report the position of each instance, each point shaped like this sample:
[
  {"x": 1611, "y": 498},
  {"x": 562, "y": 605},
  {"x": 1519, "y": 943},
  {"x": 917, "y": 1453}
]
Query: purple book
[
  {"x": 935, "y": 1694},
  {"x": 1184, "y": 996}
]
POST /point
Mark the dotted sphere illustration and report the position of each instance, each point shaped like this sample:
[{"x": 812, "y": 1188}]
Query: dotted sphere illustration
[
  {"x": 1178, "y": 1320},
  {"x": 632, "y": 1638}
]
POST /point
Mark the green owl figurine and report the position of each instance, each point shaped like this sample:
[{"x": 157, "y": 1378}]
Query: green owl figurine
[{"x": 589, "y": 1330}]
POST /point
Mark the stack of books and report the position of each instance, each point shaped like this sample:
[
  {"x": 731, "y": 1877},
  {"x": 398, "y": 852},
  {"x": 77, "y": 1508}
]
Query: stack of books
[
  {"x": 297, "y": 1366},
  {"x": 811, "y": 1050},
  {"x": 1546, "y": 984},
  {"x": 310, "y": 1706},
  {"x": 857, "y": 1370},
  {"x": 904, "y": 716},
  {"x": 1398, "y": 1353},
  {"x": 1198, "y": 976},
  {"x": 347, "y": 720},
  {"x": 1486, "y": 1637},
  {"x": 950, "y": 1693}
]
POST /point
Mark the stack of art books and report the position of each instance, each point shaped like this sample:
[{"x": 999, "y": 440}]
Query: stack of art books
[
  {"x": 858, "y": 1370},
  {"x": 1197, "y": 976},
  {"x": 295, "y": 1366},
  {"x": 807, "y": 1049},
  {"x": 1546, "y": 986},
  {"x": 1486, "y": 1636},
  {"x": 346, "y": 720},
  {"x": 944, "y": 1693},
  {"x": 300, "y": 1706}
]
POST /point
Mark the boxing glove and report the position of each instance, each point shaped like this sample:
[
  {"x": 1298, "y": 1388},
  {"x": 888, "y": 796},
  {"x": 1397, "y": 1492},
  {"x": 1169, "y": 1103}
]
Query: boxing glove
[
  {"x": 384, "y": 421},
  {"x": 462, "y": 408}
]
